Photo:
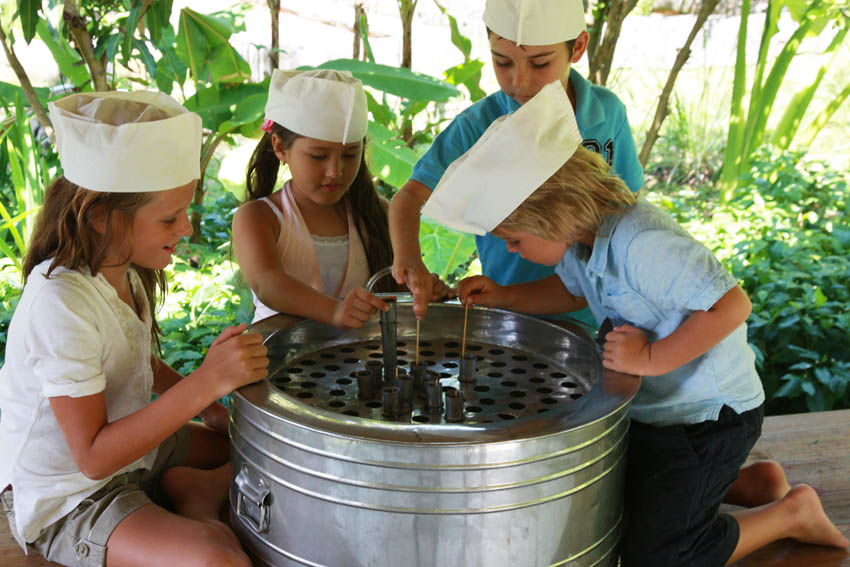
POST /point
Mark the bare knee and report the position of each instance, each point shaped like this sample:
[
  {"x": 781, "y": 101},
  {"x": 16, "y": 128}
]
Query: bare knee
[{"x": 215, "y": 547}]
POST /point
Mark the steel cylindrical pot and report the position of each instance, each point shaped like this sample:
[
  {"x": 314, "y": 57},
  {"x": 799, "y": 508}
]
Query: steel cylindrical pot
[{"x": 329, "y": 479}]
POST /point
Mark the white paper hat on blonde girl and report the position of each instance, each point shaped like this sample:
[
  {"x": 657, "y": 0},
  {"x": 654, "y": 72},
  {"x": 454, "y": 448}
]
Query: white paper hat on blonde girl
[
  {"x": 535, "y": 22},
  {"x": 323, "y": 104},
  {"x": 514, "y": 156},
  {"x": 122, "y": 142}
]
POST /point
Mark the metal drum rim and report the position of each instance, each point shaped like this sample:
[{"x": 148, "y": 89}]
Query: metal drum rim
[{"x": 606, "y": 397}]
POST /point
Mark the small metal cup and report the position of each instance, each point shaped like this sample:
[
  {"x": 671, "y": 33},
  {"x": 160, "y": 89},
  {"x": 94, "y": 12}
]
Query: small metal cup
[
  {"x": 417, "y": 369},
  {"x": 367, "y": 387},
  {"x": 391, "y": 397},
  {"x": 433, "y": 396},
  {"x": 467, "y": 368},
  {"x": 454, "y": 406},
  {"x": 376, "y": 367},
  {"x": 405, "y": 385}
]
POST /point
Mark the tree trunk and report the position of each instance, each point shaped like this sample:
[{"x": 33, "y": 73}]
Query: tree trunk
[
  {"x": 360, "y": 31},
  {"x": 603, "y": 55},
  {"x": 600, "y": 14},
  {"x": 77, "y": 28},
  {"x": 406, "y": 8},
  {"x": 26, "y": 85},
  {"x": 274, "y": 10},
  {"x": 663, "y": 108}
]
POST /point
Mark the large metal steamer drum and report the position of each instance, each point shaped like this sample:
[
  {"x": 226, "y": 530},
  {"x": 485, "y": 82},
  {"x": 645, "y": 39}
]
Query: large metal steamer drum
[{"x": 335, "y": 467}]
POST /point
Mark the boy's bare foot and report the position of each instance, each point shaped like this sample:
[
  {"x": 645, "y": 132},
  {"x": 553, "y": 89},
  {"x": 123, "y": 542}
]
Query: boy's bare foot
[
  {"x": 759, "y": 483},
  {"x": 809, "y": 523}
]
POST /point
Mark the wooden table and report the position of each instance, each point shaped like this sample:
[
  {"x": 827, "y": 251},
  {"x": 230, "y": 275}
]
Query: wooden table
[{"x": 814, "y": 448}]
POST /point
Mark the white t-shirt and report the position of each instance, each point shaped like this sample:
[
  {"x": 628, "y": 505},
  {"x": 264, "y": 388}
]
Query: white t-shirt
[{"x": 71, "y": 335}]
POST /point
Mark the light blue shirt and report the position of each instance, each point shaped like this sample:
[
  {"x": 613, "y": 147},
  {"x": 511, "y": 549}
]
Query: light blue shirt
[
  {"x": 647, "y": 271},
  {"x": 603, "y": 124}
]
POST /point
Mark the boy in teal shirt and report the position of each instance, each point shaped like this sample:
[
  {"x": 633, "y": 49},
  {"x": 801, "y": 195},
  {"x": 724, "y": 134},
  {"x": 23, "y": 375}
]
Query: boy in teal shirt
[{"x": 533, "y": 42}]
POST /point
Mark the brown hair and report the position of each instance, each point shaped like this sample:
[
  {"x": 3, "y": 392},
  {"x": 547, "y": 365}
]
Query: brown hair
[
  {"x": 370, "y": 218},
  {"x": 577, "y": 197},
  {"x": 64, "y": 231}
]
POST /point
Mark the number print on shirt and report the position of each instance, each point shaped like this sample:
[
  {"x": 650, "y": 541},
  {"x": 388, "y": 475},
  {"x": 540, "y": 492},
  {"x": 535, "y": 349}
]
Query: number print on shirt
[{"x": 595, "y": 146}]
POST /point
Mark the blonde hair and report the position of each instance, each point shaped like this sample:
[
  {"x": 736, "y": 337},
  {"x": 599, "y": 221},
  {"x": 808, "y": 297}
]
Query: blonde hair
[{"x": 577, "y": 197}]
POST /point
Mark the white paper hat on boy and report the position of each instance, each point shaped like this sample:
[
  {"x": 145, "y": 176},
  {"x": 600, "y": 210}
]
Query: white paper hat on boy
[
  {"x": 514, "y": 156},
  {"x": 126, "y": 142},
  {"x": 535, "y": 22},
  {"x": 324, "y": 104}
]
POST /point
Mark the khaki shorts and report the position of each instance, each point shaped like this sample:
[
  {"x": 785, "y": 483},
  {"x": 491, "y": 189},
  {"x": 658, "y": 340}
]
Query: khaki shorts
[{"x": 79, "y": 538}]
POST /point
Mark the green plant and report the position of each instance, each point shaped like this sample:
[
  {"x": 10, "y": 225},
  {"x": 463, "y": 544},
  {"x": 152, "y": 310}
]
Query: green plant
[
  {"x": 206, "y": 293},
  {"x": 748, "y": 127},
  {"x": 784, "y": 235},
  {"x": 25, "y": 170}
]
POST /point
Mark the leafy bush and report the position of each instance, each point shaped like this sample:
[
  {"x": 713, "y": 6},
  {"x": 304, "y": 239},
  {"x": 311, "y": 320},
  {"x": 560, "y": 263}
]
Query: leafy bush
[{"x": 784, "y": 235}]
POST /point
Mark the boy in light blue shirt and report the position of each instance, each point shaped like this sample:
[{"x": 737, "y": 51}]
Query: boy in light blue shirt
[
  {"x": 680, "y": 323},
  {"x": 533, "y": 42}
]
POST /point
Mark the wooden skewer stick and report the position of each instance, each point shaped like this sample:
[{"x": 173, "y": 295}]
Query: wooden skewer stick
[
  {"x": 463, "y": 342},
  {"x": 417, "y": 341}
]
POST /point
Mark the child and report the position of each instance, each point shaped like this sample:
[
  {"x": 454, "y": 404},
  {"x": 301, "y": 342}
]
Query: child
[
  {"x": 533, "y": 42},
  {"x": 679, "y": 322},
  {"x": 86, "y": 459},
  {"x": 309, "y": 248}
]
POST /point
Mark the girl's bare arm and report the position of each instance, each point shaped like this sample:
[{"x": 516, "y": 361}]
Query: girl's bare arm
[
  {"x": 255, "y": 246},
  {"x": 101, "y": 448}
]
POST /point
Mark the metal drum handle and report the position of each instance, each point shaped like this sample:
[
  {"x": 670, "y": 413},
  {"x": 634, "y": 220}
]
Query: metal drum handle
[
  {"x": 377, "y": 276},
  {"x": 251, "y": 499}
]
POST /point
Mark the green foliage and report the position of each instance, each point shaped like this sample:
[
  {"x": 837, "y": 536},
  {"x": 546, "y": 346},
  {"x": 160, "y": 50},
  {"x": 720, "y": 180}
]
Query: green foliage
[
  {"x": 748, "y": 126},
  {"x": 690, "y": 144},
  {"x": 445, "y": 251},
  {"x": 28, "y": 11},
  {"x": 206, "y": 293},
  {"x": 467, "y": 73},
  {"x": 784, "y": 234},
  {"x": 203, "y": 46},
  {"x": 25, "y": 170},
  {"x": 66, "y": 57}
]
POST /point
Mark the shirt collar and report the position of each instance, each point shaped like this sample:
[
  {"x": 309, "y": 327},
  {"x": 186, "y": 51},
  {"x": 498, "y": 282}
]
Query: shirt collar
[
  {"x": 589, "y": 109},
  {"x": 598, "y": 262}
]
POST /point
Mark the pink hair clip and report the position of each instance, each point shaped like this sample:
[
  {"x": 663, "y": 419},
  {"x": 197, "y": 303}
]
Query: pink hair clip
[{"x": 267, "y": 125}]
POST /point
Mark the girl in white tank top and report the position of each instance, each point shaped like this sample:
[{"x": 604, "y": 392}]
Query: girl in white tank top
[{"x": 309, "y": 248}]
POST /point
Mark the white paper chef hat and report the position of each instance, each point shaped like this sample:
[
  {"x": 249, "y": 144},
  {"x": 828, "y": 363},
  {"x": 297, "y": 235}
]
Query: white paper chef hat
[
  {"x": 535, "y": 22},
  {"x": 126, "y": 142},
  {"x": 324, "y": 104},
  {"x": 514, "y": 156}
]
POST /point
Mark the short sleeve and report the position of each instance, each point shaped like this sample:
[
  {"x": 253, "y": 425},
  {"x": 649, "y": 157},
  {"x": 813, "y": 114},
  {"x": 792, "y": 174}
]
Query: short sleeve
[
  {"x": 65, "y": 345},
  {"x": 449, "y": 145},
  {"x": 674, "y": 271}
]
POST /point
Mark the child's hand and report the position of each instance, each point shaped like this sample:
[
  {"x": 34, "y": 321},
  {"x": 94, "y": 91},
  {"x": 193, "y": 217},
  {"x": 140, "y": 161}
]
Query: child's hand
[
  {"x": 356, "y": 308},
  {"x": 627, "y": 350},
  {"x": 481, "y": 290},
  {"x": 236, "y": 358},
  {"x": 440, "y": 289},
  {"x": 415, "y": 276}
]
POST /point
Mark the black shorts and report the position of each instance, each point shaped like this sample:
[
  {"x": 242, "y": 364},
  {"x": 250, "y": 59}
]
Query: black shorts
[{"x": 676, "y": 479}]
